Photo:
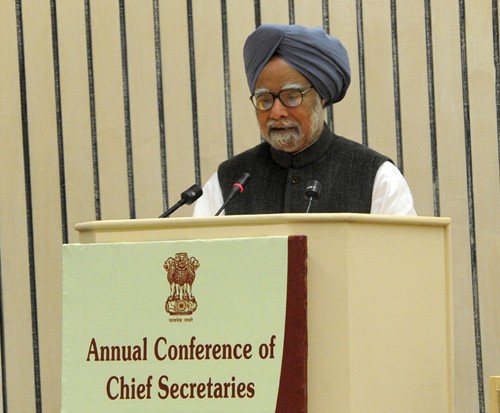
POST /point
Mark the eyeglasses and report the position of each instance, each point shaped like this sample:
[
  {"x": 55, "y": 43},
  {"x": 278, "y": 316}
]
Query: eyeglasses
[{"x": 290, "y": 98}]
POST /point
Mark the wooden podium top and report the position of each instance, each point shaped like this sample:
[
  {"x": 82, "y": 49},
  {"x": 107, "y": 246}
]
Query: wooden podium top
[{"x": 102, "y": 231}]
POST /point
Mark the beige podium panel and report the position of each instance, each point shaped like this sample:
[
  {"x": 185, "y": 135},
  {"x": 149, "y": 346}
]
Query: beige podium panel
[{"x": 379, "y": 301}]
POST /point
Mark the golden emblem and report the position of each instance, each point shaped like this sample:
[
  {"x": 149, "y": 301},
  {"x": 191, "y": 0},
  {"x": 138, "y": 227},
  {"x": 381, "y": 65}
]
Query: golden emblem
[{"x": 181, "y": 273}]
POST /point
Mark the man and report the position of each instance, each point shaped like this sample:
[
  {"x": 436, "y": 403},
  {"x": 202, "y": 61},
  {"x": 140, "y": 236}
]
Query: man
[{"x": 293, "y": 73}]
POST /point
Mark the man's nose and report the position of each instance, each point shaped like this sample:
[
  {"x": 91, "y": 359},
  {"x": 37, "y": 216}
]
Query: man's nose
[{"x": 278, "y": 110}]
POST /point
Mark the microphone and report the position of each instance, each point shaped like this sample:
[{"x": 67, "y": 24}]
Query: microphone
[
  {"x": 238, "y": 188},
  {"x": 312, "y": 192},
  {"x": 187, "y": 197}
]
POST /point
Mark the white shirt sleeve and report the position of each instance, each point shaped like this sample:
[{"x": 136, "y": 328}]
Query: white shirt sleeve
[
  {"x": 211, "y": 200},
  {"x": 391, "y": 193}
]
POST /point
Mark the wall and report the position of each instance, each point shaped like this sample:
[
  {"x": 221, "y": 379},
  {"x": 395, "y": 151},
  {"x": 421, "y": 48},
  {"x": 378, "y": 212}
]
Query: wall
[{"x": 110, "y": 109}]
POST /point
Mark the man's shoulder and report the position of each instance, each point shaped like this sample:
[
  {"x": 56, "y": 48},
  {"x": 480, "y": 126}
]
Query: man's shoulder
[{"x": 348, "y": 146}]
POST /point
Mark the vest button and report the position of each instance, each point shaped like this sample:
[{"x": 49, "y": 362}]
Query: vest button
[{"x": 295, "y": 179}]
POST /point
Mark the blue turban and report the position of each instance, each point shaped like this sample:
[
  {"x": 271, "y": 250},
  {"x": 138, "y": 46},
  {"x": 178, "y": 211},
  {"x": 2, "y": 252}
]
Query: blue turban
[{"x": 321, "y": 58}]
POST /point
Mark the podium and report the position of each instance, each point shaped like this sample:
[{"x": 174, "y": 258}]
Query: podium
[{"x": 379, "y": 301}]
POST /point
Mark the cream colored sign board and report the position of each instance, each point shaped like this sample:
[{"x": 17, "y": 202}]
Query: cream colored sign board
[{"x": 123, "y": 352}]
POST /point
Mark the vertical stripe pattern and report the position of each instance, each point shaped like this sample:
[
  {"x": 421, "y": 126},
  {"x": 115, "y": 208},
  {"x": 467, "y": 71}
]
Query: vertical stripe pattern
[
  {"x": 159, "y": 96},
  {"x": 326, "y": 25},
  {"x": 3, "y": 358},
  {"x": 60, "y": 138},
  {"x": 227, "y": 80},
  {"x": 29, "y": 207},
  {"x": 92, "y": 109},
  {"x": 471, "y": 209},
  {"x": 397, "y": 96},
  {"x": 126, "y": 108},
  {"x": 258, "y": 18},
  {"x": 432, "y": 108},
  {"x": 291, "y": 11},
  {"x": 362, "y": 82},
  {"x": 194, "y": 96},
  {"x": 496, "y": 60}
]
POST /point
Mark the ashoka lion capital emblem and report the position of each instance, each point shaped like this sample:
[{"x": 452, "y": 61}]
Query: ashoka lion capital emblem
[{"x": 181, "y": 272}]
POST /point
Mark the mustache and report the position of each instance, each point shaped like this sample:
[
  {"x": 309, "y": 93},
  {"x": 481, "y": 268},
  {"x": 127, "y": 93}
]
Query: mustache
[{"x": 271, "y": 124}]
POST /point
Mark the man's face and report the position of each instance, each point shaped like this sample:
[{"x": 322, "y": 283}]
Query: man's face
[{"x": 288, "y": 129}]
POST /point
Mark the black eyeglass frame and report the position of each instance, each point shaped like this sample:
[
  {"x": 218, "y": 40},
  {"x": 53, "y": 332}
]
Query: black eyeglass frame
[{"x": 302, "y": 93}]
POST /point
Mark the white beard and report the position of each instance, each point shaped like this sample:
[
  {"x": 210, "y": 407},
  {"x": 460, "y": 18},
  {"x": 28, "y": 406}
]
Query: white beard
[
  {"x": 287, "y": 141},
  {"x": 291, "y": 140}
]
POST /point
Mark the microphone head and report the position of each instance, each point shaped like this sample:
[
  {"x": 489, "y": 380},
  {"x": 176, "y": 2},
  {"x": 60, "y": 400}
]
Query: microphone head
[
  {"x": 313, "y": 190},
  {"x": 242, "y": 181},
  {"x": 237, "y": 188},
  {"x": 191, "y": 194}
]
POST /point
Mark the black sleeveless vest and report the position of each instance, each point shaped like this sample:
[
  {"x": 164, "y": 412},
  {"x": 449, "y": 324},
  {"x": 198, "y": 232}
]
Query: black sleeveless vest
[{"x": 345, "y": 169}]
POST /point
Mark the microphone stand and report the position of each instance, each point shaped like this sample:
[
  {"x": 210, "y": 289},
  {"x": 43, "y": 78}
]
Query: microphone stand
[
  {"x": 187, "y": 197},
  {"x": 237, "y": 188},
  {"x": 173, "y": 208},
  {"x": 312, "y": 193}
]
